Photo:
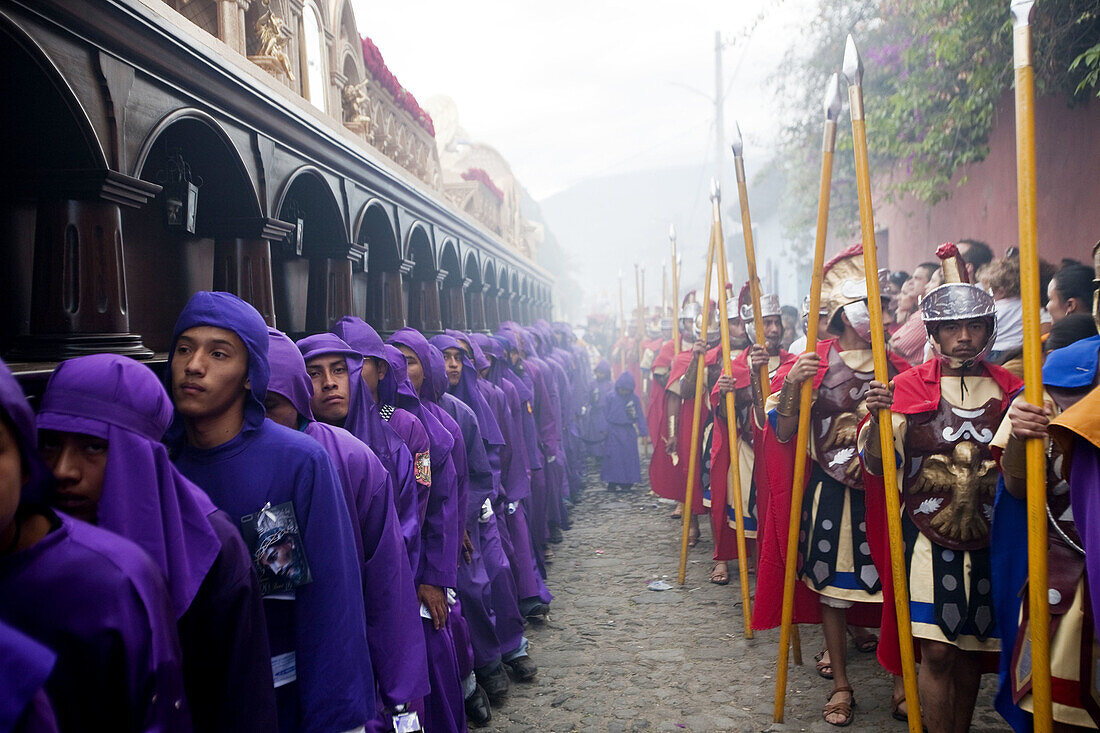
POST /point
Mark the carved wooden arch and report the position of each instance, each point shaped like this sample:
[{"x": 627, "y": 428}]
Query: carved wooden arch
[
  {"x": 503, "y": 281},
  {"x": 450, "y": 245},
  {"x": 233, "y": 155},
  {"x": 330, "y": 201},
  {"x": 42, "y": 60},
  {"x": 378, "y": 212},
  {"x": 433, "y": 252},
  {"x": 490, "y": 277},
  {"x": 472, "y": 269}
]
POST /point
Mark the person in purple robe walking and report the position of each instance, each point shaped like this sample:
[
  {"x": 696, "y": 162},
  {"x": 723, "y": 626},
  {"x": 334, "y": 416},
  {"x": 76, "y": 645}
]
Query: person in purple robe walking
[
  {"x": 463, "y": 384},
  {"x": 100, "y": 425},
  {"x": 429, "y": 520},
  {"x": 393, "y": 615},
  {"x": 94, "y": 599},
  {"x": 534, "y": 597},
  {"x": 284, "y": 492},
  {"x": 622, "y": 410},
  {"x": 594, "y": 429}
]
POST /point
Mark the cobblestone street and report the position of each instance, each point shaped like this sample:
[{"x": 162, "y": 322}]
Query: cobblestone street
[{"x": 615, "y": 656}]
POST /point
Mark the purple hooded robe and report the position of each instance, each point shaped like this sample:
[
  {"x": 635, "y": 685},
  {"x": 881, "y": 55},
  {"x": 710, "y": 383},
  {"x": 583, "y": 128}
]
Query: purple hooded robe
[
  {"x": 94, "y": 599},
  {"x": 214, "y": 589},
  {"x": 317, "y": 635},
  {"x": 625, "y": 422},
  {"x": 393, "y": 626}
]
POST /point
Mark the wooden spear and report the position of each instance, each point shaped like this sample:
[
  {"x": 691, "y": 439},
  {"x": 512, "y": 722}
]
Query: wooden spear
[
  {"x": 750, "y": 252},
  {"x": 1038, "y": 604},
  {"x": 853, "y": 70},
  {"x": 664, "y": 290},
  {"x": 833, "y": 105},
  {"x": 700, "y": 369},
  {"x": 675, "y": 292},
  {"x": 733, "y": 476},
  {"x": 622, "y": 327},
  {"x": 639, "y": 325}
]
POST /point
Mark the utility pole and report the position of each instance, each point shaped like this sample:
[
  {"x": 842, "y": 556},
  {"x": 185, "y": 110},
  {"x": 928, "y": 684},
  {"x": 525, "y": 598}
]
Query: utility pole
[{"x": 719, "y": 99}]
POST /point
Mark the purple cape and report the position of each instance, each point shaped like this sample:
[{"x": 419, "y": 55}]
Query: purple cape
[
  {"x": 392, "y": 611},
  {"x": 620, "y": 453},
  {"x": 145, "y": 499},
  {"x": 318, "y": 636}
]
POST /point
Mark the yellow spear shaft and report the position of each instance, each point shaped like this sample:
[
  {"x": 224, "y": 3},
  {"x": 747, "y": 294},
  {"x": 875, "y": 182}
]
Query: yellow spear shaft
[
  {"x": 695, "y": 413},
  {"x": 733, "y": 476},
  {"x": 750, "y": 254},
  {"x": 1033, "y": 380},
  {"x": 675, "y": 294},
  {"x": 832, "y": 111},
  {"x": 853, "y": 69}
]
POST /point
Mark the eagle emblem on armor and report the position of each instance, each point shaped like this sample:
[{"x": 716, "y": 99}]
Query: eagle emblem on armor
[{"x": 970, "y": 484}]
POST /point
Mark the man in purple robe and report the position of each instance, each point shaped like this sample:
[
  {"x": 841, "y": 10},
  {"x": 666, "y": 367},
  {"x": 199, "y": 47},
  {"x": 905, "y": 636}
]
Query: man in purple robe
[
  {"x": 100, "y": 425},
  {"x": 94, "y": 599},
  {"x": 534, "y": 597},
  {"x": 393, "y": 614},
  {"x": 283, "y": 490},
  {"x": 429, "y": 518},
  {"x": 625, "y": 418},
  {"x": 426, "y": 372}
]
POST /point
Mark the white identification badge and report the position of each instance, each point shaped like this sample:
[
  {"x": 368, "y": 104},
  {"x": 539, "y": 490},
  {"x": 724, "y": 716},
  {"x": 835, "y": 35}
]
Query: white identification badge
[
  {"x": 284, "y": 668},
  {"x": 407, "y": 722}
]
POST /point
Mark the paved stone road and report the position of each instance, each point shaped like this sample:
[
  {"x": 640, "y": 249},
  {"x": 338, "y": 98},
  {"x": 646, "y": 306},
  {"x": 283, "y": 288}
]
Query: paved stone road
[{"x": 615, "y": 656}]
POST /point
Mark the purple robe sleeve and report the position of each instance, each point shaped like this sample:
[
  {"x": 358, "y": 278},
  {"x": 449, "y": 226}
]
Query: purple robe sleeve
[
  {"x": 226, "y": 660},
  {"x": 330, "y": 635},
  {"x": 1084, "y": 493}
]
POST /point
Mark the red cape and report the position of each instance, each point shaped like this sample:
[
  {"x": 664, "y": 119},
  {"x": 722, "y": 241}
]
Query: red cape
[
  {"x": 915, "y": 391},
  {"x": 720, "y": 455},
  {"x": 675, "y": 490},
  {"x": 663, "y": 476},
  {"x": 772, "y": 538}
]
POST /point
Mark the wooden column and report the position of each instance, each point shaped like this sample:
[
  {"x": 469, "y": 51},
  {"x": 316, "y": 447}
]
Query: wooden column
[
  {"x": 453, "y": 303},
  {"x": 386, "y": 297},
  {"x": 491, "y": 306},
  {"x": 78, "y": 291},
  {"x": 475, "y": 306},
  {"x": 329, "y": 295},
  {"x": 242, "y": 259}
]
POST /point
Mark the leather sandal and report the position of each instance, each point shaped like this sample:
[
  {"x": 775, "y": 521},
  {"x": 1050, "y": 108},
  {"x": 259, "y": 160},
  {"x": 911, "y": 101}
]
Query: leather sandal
[
  {"x": 846, "y": 708},
  {"x": 720, "y": 577},
  {"x": 895, "y": 709},
  {"x": 824, "y": 669}
]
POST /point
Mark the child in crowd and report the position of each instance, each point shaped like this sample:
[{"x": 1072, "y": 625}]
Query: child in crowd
[{"x": 622, "y": 412}]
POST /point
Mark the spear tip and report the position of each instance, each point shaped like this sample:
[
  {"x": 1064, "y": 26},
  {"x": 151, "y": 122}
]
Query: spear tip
[
  {"x": 672, "y": 232},
  {"x": 1021, "y": 12},
  {"x": 833, "y": 100},
  {"x": 738, "y": 144},
  {"x": 715, "y": 190},
  {"x": 853, "y": 64}
]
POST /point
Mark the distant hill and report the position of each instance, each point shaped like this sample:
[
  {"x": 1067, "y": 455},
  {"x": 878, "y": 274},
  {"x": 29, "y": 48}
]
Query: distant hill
[{"x": 607, "y": 224}]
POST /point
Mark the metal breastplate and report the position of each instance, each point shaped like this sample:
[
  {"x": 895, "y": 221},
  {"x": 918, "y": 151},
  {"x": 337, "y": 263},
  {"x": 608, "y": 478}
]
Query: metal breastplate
[
  {"x": 835, "y": 418},
  {"x": 950, "y": 477}
]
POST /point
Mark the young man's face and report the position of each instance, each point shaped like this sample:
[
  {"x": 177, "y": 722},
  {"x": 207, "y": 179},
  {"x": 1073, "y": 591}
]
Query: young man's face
[
  {"x": 773, "y": 333},
  {"x": 79, "y": 463},
  {"x": 12, "y": 476},
  {"x": 209, "y": 372},
  {"x": 280, "y": 410},
  {"x": 962, "y": 339},
  {"x": 452, "y": 358},
  {"x": 374, "y": 371},
  {"x": 415, "y": 371},
  {"x": 737, "y": 330},
  {"x": 331, "y": 387}
]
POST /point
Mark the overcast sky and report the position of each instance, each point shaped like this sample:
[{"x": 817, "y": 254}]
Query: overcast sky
[{"x": 577, "y": 89}]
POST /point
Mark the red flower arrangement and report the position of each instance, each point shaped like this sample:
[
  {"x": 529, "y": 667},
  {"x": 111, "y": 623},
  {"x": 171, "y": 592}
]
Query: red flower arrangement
[
  {"x": 479, "y": 175},
  {"x": 404, "y": 99}
]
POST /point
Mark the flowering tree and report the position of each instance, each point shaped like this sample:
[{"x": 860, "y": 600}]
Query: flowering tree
[{"x": 936, "y": 70}]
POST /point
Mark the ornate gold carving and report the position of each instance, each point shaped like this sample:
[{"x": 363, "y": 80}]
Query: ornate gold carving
[{"x": 274, "y": 37}]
